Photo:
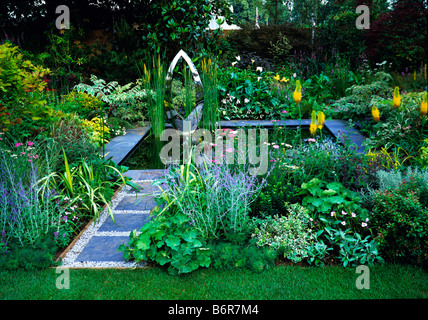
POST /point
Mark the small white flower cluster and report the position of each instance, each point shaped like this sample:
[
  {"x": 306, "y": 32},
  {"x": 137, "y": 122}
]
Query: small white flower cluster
[{"x": 119, "y": 132}]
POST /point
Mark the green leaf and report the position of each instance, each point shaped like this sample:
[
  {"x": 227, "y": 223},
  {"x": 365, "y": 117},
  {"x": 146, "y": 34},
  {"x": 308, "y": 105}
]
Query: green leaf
[
  {"x": 173, "y": 242},
  {"x": 329, "y": 192},
  {"x": 143, "y": 243}
]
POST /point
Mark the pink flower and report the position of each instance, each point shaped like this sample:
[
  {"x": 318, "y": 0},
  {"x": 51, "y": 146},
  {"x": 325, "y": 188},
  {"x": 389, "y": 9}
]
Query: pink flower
[
  {"x": 276, "y": 146},
  {"x": 353, "y": 215},
  {"x": 1, "y": 139},
  {"x": 232, "y": 135},
  {"x": 343, "y": 212},
  {"x": 22, "y": 152},
  {"x": 284, "y": 111},
  {"x": 18, "y": 144},
  {"x": 29, "y": 160},
  {"x": 343, "y": 222},
  {"x": 311, "y": 140},
  {"x": 364, "y": 224},
  {"x": 30, "y": 144},
  {"x": 333, "y": 213},
  {"x": 229, "y": 150}
]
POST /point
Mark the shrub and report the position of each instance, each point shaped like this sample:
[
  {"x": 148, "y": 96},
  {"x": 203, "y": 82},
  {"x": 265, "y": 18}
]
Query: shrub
[
  {"x": 289, "y": 234},
  {"x": 75, "y": 101},
  {"x": 68, "y": 134},
  {"x": 20, "y": 85},
  {"x": 40, "y": 256},
  {"x": 97, "y": 130},
  {"x": 263, "y": 41},
  {"x": 402, "y": 225},
  {"x": 227, "y": 256}
]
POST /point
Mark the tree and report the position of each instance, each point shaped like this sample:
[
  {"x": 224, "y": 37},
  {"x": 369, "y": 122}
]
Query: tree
[
  {"x": 399, "y": 36},
  {"x": 278, "y": 10}
]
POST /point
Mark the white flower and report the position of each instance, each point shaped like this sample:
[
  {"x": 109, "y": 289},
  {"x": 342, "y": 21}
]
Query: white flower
[
  {"x": 343, "y": 222},
  {"x": 238, "y": 58},
  {"x": 246, "y": 100},
  {"x": 233, "y": 63},
  {"x": 258, "y": 79},
  {"x": 259, "y": 69},
  {"x": 364, "y": 224},
  {"x": 294, "y": 75}
]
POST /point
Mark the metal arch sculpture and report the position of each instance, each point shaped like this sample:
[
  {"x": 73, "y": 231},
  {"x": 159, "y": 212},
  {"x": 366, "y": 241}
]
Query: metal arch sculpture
[{"x": 176, "y": 117}]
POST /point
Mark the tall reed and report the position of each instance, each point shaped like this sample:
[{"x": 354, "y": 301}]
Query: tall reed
[
  {"x": 154, "y": 83},
  {"x": 210, "y": 113}
]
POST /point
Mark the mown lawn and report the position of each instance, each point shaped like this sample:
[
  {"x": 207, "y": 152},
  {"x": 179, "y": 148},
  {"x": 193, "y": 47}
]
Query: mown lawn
[{"x": 279, "y": 283}]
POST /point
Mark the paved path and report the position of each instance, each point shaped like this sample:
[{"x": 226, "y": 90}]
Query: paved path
[{"x": 97, "y": 245}]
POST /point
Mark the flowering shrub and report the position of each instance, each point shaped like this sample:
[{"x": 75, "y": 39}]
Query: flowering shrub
[{"x": 99, "y": 132}]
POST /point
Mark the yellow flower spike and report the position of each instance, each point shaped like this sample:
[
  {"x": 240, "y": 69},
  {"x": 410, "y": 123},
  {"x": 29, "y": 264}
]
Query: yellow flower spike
[
  {"x": 297, "y": 95},
  {"x": 424, "y": 105},
  {"x": 321, "y": 119},
  {"x": 396, "y": 99},
  {"x": 375, "y": 113},
  {"x": 313, "y": 126}
]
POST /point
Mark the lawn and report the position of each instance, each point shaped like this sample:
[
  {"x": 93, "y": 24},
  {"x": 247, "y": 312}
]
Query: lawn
[{"x": 279, "y": 283}]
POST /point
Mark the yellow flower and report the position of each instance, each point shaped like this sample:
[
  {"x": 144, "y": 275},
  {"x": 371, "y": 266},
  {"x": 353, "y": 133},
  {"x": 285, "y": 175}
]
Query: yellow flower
[
  {"x": 375, "y": 113},
  {"x": 396, "y": 97},
  {"x": 284, "y": 79},
  {"x": 297, "y": 95},
  {"x": 424, "y": 105},
  {"x": 321, "y": 119},
  {"x": 313, "y": 126},
  {"x": 312, "y": 129},
  {"x": 277, "y": 77}
]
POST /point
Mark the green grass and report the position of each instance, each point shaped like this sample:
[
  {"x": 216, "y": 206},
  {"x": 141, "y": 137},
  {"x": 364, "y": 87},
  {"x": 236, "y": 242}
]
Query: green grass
[{"x": 279, "y": 283}]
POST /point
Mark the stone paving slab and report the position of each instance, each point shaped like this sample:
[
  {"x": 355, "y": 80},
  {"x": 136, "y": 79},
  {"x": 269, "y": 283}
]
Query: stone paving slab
[
  {"x": 119, "y": 147},
  {"x": 103, "y": 248},
  {"x": 136, "y": 203},
  {"x": 143, "y": 175},
  {"x": 124, "y": 222}
]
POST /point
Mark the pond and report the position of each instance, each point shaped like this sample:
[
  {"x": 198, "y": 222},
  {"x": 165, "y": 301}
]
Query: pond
[{"x": 146, "y": 155}]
